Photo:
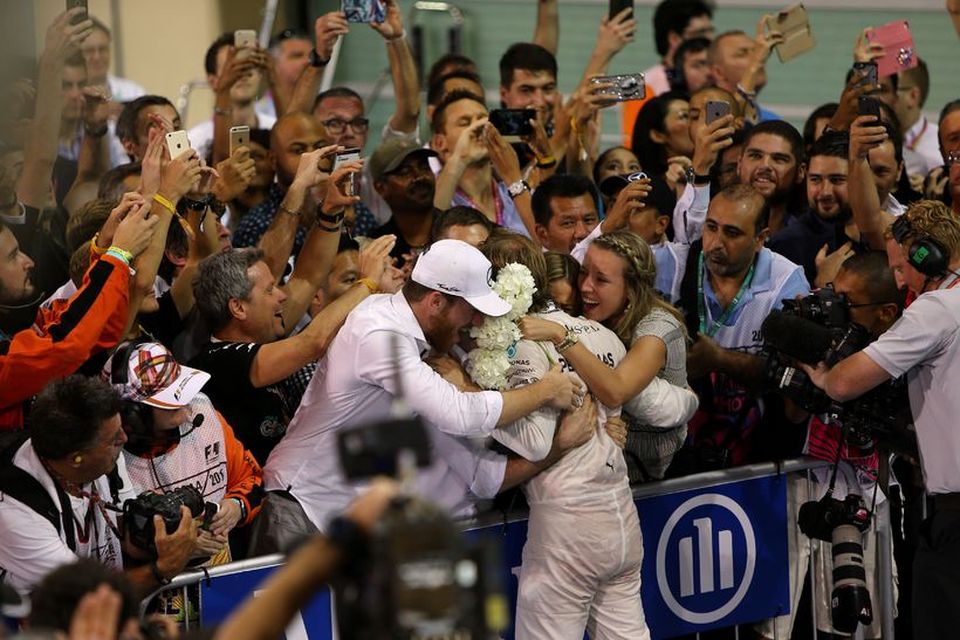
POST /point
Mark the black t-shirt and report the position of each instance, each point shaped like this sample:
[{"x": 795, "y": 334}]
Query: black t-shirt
[
  {"x": 259, "y": 416},
  {"x": 402, "y": 247}
]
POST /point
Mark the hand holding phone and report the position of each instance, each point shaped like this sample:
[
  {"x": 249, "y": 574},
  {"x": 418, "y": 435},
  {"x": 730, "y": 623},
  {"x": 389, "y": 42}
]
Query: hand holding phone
[
  {"x": 617, "y": 6},
  {"x": 899, "y": 53},
  {"x": 624, "y": 88},
  {"x": 716, "y": 109},
  {"x": 794, "y": 24},
  {"x": 347, "y": 155},
  {"x": 239, "y": 137},
  {"x": 867, "y": 71},
  {"x": 359, "y": 11},
  {"x": 869, "y": 106},
  {"x": 245, "y": 41},
  {"x": 513, "y": 123},
  {"x": 177, "y": 143}
]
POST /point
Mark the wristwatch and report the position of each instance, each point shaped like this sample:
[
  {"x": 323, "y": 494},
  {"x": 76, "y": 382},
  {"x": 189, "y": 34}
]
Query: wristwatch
[
  {"x": 316, "y": 60},
  {"x": 155, "y": 570},
  {"x": 517, "y": 188}
]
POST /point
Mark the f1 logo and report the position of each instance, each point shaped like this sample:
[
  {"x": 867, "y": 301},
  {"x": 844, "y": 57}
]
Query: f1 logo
[{"x": 706, "y": 558}]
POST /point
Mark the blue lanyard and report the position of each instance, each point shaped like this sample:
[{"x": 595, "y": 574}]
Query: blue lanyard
[{"x": 731, "y": 308}]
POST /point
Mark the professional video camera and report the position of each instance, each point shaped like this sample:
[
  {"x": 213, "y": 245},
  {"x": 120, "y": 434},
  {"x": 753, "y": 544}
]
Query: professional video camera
[
  {"x": 818, "y": 328},
  {"x": 841, "y": 522},
  {"x": 421, "y": 577},
  {"x": 138, "y": 513}
]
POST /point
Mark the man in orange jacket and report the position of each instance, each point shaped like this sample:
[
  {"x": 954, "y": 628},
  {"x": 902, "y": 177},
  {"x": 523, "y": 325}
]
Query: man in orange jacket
[{"x": 64, "y": 336}]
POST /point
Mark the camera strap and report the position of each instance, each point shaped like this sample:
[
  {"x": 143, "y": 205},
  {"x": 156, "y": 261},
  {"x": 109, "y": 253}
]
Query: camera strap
[{"x": 731, "y": 308}]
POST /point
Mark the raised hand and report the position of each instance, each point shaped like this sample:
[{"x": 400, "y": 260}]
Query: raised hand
[
  {"x": 502, "y": 155},
  {"x": 180, "y": 176},
  {"x": 338, "y": 196},
  {"x": 152, "y": 163},
  {"x": 866, "y": 51},
  {"x": 236, "y": 67},
  {"x": 96, "y": 109},
  {"x": 63, "y": 39},
  {"x": 375, "y": 257},
  {"x": 470, "y": 147},
  {"x": 128, "y": 201},
  {"x": 236, "y": 173},
  {"x": 828, "y": 264},
  {"x": 135, "y": 231},
  {"x": 864, "y": 136},
  {"x": 392, "y": 27},
  {"x": 632, "y": 198},
  {"x": 615, "y": 33},
  {"x": 709, "y": 141},
  {"x": 309, "y": 174},
  {"x": 327, "y": 29}
]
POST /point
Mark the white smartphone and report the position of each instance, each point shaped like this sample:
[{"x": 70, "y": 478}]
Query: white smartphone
[
  {"x": 347, "y": 155},
  {"x": 244, "y": 40},
  {"x": 177, "y": 143},
  {"x": 239, "y": 137}
]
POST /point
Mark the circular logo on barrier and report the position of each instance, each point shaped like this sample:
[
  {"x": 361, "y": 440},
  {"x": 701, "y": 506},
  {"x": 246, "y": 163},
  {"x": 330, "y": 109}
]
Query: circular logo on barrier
[{"x": 706, "y": 557}]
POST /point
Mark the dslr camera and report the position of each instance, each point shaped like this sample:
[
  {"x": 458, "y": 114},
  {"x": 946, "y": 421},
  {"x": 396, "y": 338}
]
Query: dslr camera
[
  {"x": 138, "y": 513},
  {"x": 419, "y": 577},
  {"x": 818, "y": 328},
  {"x": 841, "y": 522}
]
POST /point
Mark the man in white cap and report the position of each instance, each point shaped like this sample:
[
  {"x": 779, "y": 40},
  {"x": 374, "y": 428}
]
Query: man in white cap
[
  {"x": 379, "y": 352},
  {"x": 175, "y": 438}
]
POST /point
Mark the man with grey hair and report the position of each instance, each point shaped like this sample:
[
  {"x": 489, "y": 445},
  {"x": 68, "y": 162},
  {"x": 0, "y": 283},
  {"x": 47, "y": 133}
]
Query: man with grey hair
[{"x": 257, "y": 374}]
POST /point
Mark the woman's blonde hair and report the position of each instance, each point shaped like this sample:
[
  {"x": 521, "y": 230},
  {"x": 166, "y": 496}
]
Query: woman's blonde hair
[{"x": 639, "y": 277}]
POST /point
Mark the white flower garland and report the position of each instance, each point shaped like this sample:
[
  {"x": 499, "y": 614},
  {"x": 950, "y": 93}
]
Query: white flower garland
[{"x": 489, "y": 362}]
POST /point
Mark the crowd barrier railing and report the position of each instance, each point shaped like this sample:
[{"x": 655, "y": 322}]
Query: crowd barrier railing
[{"x": 715, "y": 555}]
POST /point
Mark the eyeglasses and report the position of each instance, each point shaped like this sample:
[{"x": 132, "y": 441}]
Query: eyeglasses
[
  {"x": 953, "y": 157},
  {"x": 337, "y": 126}
]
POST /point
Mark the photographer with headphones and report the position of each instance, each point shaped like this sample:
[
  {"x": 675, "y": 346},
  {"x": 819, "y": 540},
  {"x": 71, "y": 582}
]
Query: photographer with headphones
[
  {"x": 176, "y": 438},
  {"x": 925, "y": 346}
]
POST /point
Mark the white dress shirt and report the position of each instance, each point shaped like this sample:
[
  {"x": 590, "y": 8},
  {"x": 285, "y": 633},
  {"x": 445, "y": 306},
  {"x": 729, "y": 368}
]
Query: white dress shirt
[
  {"x": 921, "y": 148},
  {"x": 355, "y": 384}
]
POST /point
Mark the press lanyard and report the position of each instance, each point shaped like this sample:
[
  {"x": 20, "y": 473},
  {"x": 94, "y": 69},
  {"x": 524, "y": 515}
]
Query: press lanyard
[
  {"x": 729, "y": 311},
  {"x": 497, "y": 203}
]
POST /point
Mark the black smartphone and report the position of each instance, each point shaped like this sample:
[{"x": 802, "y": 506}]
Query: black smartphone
[
  {"x": 869, "y": 106},
  {"x": 616, "y": 6},
  {"x": 78, "y": 3},
  {"x": 716, "y": 109},
  {"x": 868, "y": 70},
  {"x": 513, "y": 123}
]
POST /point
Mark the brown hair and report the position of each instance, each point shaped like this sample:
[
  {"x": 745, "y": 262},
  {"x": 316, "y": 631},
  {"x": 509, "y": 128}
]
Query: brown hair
[
  {"x": 934, "y": 219},
  {"x": 639, "y": 276},
  {"x": 502, "y": 248}
]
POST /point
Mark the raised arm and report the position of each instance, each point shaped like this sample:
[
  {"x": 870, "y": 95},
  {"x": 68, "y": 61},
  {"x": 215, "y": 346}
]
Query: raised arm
[
  {"x": 234, "y": 68},
  {"x": 320, "y": 249},
  {"x": 868, "y": 215},
  {"x": 277, "y": 241},
  {"x": 278, "y": 360},
  {"x": 40, "y": 151},
  {"x": 403, "y": 70},
  {"x": 612, "y": 387},
  {"x": 469, "y": 150},
  {"x": 327, "y": 28},
  {"x": 547, "y": 32},
  {"x": 614, "y": 34}
]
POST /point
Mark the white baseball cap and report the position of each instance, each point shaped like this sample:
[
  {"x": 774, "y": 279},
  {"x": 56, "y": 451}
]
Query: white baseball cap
[
  {"x": 154, "y": 377},
  {"x": 459, "y": 269}
]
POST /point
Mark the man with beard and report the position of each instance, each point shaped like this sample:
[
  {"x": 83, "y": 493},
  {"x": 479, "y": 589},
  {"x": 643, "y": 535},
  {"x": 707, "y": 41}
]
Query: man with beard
[
  {"x": 772, "y": 163},
  {"x": 827, "y": 224},
  {"x": 65, "y": 335},
  {"x": 729, "y": 288},
  {"x": 377, "y": 358},
  {"x": 401, "y": 174}
]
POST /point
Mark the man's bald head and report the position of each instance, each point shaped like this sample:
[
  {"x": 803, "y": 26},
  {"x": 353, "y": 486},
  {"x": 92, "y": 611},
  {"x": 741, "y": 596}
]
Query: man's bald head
[{"x": 293, "y": 135}]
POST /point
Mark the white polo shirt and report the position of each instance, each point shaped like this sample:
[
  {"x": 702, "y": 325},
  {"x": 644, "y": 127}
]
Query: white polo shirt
[
  {"x": 355, "y": 384},
  {"x": 29, "y": 545},
  {"x": 924, "y": 344}
]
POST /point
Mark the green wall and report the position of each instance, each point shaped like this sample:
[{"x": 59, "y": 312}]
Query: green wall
[{"x": 804, "y": 83}]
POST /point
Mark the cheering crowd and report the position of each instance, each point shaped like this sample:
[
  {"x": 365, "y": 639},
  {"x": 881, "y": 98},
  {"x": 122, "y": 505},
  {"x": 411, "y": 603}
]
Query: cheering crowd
[{"x": 566, "y": 317}]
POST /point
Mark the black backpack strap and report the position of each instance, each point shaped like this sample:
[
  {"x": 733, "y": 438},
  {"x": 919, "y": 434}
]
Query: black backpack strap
[{"x": 23, "y": 487}]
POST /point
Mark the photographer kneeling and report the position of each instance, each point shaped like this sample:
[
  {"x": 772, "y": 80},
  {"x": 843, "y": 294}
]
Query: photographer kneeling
[
  {"x": 64, "y": 487},
  {"x": 925, "y": 345},
  {"x": 861, "y": 304}
]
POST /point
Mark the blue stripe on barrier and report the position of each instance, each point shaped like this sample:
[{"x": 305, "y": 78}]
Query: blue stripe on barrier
[{"x": 713, "y": 557}]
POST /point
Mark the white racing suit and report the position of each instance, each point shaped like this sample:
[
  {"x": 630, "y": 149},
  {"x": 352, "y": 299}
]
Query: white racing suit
[{"x": 581, "y": 561}]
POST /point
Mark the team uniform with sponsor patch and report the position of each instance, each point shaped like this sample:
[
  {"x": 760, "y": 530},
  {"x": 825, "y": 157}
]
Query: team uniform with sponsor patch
[{"x": 581, "y": 561}]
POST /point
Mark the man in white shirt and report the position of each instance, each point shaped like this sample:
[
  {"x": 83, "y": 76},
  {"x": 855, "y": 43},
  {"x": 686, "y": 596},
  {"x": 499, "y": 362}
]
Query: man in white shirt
[
  {"x": 235, "y": 78},
  {"x": 921, "y": 148},
  {"x": 923, "y": 345},
  {"x": 72, "y": 461},
  {"x": 96, "y": 52},
  {"x": 377, "y": 354}
]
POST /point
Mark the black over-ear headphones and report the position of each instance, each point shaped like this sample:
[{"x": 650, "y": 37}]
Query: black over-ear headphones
[
  {"x": 925, "y": 254},
  {"x": 137, "y": 418}
]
